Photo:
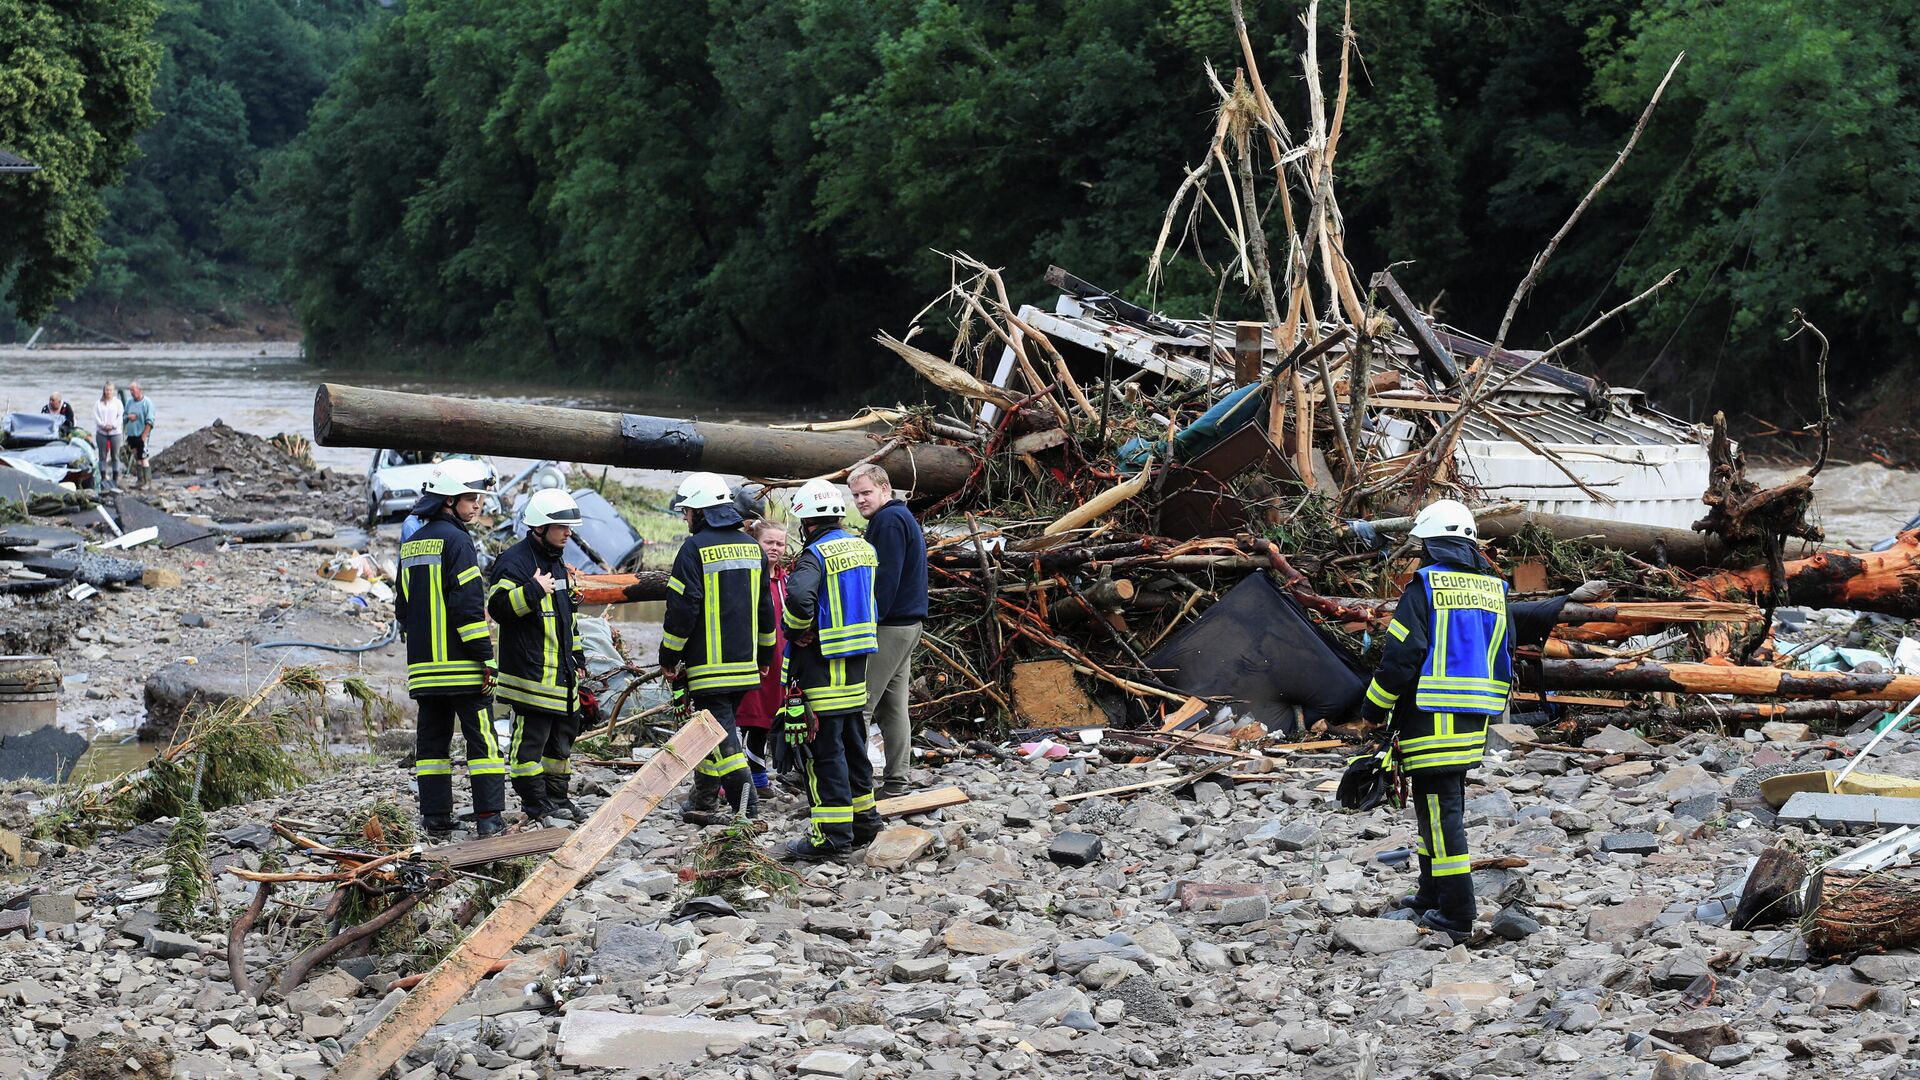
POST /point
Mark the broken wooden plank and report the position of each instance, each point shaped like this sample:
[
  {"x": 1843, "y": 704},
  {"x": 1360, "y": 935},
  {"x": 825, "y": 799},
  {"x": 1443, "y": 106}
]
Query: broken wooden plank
[
  {"x": 523, "y": 909},
  {"x": 513, "y": 845},
  {"x": 921, "y": 802},
  {"x": 1303, "y": 747},
  {"x": 1144, "y": 785},
  {"x": 1180, "y": 717},
  {"x": 1046, "y": 695}
]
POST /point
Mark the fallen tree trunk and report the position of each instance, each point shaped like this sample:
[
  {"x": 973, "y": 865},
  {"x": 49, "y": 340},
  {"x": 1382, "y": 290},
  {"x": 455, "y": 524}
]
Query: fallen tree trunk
[
  {"x": 621, "y": 588},
  {"x": 1884, "y": 581},
  {"x": 1654, "y": 677},
  {"x": 1751, "y": 713},
  {"x": 356, "y": 416}
]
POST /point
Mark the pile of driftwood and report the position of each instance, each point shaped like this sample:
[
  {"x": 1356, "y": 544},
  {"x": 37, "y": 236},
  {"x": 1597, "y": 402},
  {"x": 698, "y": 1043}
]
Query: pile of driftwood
[{"x": 1096, "y": 477}]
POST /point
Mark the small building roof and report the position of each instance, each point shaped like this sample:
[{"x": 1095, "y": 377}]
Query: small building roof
[{"x": 14, "y": 163}]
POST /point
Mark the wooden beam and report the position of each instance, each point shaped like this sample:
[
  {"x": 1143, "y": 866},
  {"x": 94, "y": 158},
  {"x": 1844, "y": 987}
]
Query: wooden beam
[
  {"x": 921, "y": 802},
  {"x": 523, "y": 909},
  {"x": 1438, "y": 359},
  {"x": 1145, "y": 785},
  {"x": 513, "y": 845}
]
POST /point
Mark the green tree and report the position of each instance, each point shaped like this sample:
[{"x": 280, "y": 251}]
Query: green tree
[{"x": 75, "y": 80}]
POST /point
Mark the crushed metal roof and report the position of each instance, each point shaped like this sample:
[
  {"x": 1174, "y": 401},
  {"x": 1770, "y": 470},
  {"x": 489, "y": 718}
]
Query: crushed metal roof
[{"x": 14, "y": 163}]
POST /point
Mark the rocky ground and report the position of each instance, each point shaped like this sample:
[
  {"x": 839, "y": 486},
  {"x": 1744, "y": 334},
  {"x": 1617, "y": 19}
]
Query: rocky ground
[{"x": 974, "y": 943}]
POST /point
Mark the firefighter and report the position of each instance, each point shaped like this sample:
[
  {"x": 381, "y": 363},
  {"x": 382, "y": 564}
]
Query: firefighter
[
  {"x": 717, "y": 636},
  {"x": 441, "y": 606},
  {"x": 540, "y": 656},
  {"x": 831, "y": 631},
  {"x": 1443, "y": 677}
]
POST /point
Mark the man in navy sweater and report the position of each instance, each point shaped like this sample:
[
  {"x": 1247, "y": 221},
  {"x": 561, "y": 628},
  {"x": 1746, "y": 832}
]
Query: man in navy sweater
[{"x": 900, "y": 596}]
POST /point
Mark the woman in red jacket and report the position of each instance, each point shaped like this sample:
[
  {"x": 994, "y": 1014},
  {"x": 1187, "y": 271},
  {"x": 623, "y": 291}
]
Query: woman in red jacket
[{"x": 757, "y": 710}]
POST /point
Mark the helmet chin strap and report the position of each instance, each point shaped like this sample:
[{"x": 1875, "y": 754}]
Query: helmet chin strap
[{"x": 540, "y": 534}]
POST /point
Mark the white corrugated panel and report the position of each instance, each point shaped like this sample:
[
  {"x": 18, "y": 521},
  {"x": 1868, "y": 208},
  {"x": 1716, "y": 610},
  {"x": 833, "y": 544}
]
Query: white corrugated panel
[{"x": 1651, "y": 485}]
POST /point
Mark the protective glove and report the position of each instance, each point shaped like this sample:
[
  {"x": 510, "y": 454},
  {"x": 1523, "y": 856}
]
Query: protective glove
[
  {"x": 489, "y": 674},
  {"x": 1590, "y": 591},
  {"x": 681, "y": 707},
  {"x": 794, "y": 719},
  {"x": 589, "y": 703}
]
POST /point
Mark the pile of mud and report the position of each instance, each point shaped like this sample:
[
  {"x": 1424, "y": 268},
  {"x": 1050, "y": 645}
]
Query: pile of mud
[{"x": 219, "y": 448}]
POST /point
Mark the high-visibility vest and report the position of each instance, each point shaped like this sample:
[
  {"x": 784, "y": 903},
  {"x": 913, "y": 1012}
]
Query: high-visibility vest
[
  {"x": 845, "y": 619},
  {"x": 1469, "y": 665}
]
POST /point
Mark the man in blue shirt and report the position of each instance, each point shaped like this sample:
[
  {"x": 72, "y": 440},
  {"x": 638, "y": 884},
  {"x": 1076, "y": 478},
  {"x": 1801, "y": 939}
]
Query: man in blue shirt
[
  {"x": 139, "y": 430},
  {"x": 900, "y": 595}
]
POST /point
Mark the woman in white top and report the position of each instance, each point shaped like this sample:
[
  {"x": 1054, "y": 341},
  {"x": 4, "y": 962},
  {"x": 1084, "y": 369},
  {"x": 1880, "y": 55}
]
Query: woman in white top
[{"x": 107, "y": 414}]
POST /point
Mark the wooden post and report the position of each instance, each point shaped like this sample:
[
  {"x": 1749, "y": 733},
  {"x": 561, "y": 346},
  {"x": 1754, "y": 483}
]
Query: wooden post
[
  {"x": 522, "y": 909},
  {"x": 1249, "y": 343},
  {"x": 1653, "y": 677},
  {"x": 356, "y": 416}
]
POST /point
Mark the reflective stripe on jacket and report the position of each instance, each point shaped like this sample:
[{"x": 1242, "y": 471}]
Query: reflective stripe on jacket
[
  {"x": 1446, "y": 669},
  {"x": 539, "y": 642},
  {"x": 719, "y": 617},
  {"x": 839, "y": 603},
  {"x": 441, "y": 608}
]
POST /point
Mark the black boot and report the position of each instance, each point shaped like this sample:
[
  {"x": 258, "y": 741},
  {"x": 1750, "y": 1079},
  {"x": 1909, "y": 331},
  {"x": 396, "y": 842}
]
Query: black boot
[
  {"x": 485, "y": 825},
  {"x": 703, "y": 805},
  {"x": 532, "y": 791},
  {"x": 559, "y": 802},
  {"x": 805, "y": 850}
]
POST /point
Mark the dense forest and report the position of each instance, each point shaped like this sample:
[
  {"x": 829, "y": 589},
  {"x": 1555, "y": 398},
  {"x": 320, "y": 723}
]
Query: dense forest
[{"x": 735, "y": 194}]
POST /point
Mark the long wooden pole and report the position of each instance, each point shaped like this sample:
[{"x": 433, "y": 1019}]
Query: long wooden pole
[
  {"x": 1884, "y": 581},
  {"x": 1651, "y": 677},
  {"x": 621, "y": 588},
  {"x": 358, "y": 416},
  {"x": 523, "y": 908}
]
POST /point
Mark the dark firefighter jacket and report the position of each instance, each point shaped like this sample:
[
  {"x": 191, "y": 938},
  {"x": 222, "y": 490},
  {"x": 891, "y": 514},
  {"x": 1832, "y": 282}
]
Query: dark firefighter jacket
[
  {"x": 539, "y": 639},
  {"x": 441, "y": 605},
  {"x": 831, "y": 605},
  {"x": 719, "y": 612}
]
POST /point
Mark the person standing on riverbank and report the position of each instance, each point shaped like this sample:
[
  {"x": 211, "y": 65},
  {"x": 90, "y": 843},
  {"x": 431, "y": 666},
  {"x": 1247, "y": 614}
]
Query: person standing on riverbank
[
  {"x": 900, "y": 589},
  {"x": 139, "y": 429},
  {"x": 108, "y": 415}
]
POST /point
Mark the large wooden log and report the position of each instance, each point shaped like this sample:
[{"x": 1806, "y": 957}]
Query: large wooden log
[
  {"x": 1679, "y": 547},
  {"x": 1861, "y": 913},
  {"x": 1884, "y": 581},
  {"x": 1653, "y": 677},
  {"x": 357, "y": 416},
  {"x": 1745, "y": 714}
]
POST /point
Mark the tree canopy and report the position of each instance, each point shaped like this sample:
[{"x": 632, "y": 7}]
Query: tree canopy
[{"x": 75, "y": 80}]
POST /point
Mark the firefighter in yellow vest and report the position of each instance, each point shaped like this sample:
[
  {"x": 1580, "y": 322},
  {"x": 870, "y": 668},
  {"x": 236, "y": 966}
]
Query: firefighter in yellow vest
[
  {"x": 441, "y": 606},
  {"x": 540, "y": 657},
  {"x": 717, "y": 637},
  {"x": 1443, "y": 677},
  {"x": 831, "y": 625}
]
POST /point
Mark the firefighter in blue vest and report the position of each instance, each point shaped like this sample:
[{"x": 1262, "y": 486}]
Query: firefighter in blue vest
[
  {"x": 717, "y": 636},
  {"x": 540, "y": 657},
  {"x": 831, "y": 631},
  {"x": 441, "y": 607},
  {"x": 1443, "y": 677}
]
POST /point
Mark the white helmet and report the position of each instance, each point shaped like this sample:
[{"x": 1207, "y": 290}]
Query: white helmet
[
  {"x": 818, "y": 499},
  {"x": 1447, "y": 517},
  {"x": 701, "y": 491},
  {"x": 551, "y": 506},
  {"x": 460, "y": 476}
]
